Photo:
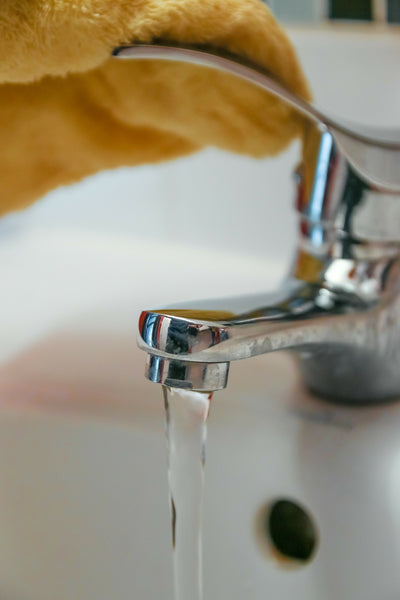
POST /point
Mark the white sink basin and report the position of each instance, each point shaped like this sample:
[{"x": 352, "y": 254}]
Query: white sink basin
[{"x": 83, "y": 490}]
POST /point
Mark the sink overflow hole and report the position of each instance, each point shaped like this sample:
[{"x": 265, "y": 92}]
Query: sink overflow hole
[{"x": 290, "y": 529}]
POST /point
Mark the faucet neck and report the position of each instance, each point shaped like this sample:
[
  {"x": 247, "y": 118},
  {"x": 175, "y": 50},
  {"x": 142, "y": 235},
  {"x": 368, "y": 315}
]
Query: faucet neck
[
  {"x": 341, "y": 215},
  {"x": 348, "y": 230}
]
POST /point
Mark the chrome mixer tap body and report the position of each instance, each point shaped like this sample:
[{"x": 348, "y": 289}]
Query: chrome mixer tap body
[{"x": 338, "y": 309}]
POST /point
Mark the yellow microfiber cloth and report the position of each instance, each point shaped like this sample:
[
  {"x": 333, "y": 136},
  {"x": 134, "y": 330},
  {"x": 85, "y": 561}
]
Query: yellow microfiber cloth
[{"x": 68, "y": 110}]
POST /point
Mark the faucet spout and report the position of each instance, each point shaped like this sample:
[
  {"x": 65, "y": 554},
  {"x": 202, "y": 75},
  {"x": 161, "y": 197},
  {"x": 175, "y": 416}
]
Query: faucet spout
[
  {"x": 247, "y": 326},
  {"x": 341, "y": 338}
]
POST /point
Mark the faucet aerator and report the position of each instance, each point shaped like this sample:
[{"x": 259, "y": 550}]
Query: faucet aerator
[{"x": 195, "y": 376}]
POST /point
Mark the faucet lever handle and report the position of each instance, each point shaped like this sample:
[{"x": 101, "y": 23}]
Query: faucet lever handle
[{"x": 373, "y": 152}]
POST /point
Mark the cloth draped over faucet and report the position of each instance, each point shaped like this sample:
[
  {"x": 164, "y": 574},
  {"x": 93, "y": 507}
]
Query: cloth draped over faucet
[{"x": 68, "y": 110}]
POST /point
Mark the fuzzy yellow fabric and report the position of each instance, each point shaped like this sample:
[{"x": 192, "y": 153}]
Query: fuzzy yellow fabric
[{"x": 68, "y": 110}]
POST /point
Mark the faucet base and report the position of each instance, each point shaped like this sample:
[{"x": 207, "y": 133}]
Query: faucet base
[
  {"x": 195, "y": 376},
  {"x": 349, "y": 376}
]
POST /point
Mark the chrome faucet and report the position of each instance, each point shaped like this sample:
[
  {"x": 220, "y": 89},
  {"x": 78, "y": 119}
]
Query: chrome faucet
[{"x": 339, "y": 308}]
